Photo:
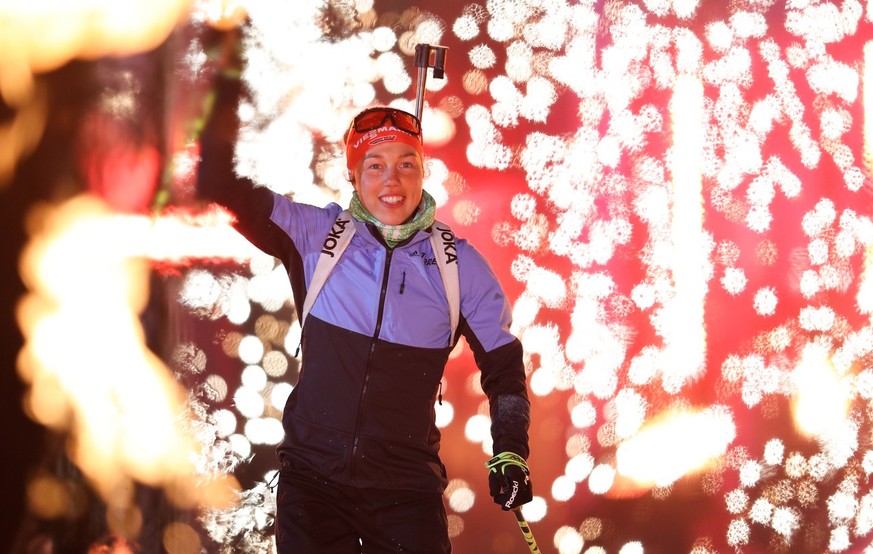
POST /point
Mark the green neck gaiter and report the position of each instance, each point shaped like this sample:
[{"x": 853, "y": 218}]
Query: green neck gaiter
[{"x": 393, "y": 234}]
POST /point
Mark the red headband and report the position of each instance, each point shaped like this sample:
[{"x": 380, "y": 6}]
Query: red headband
[{"x": 357, "y": 144}]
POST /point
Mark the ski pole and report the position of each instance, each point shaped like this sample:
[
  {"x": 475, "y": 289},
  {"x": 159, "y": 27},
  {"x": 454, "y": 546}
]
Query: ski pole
[
  {"x": 424, "y": 60},
  {"x": 525, "y": 530}
]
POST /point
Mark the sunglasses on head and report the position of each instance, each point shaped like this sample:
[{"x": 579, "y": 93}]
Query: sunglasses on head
[{"x": 374, "y": 118}]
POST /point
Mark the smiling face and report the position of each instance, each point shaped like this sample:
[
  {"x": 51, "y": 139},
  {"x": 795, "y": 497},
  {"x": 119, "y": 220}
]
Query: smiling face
[{"x": 389, "y": 181}]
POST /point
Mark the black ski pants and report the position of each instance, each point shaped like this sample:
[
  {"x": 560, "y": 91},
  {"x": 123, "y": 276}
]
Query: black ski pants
[{"x": 318, "y": 516}]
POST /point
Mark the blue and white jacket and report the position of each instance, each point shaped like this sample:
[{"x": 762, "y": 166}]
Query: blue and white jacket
[{"x": 376, "y": 342}]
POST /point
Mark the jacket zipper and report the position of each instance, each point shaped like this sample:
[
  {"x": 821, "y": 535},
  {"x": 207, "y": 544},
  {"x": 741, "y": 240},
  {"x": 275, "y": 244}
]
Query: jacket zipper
[{"x": 382, "y": 293}]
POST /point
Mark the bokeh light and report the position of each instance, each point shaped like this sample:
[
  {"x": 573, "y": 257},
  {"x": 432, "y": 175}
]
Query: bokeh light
[{"x": 675, "y": 195}]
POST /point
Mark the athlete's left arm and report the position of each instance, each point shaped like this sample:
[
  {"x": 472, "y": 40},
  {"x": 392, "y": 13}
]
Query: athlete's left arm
[{"x": 485, "y": 323}]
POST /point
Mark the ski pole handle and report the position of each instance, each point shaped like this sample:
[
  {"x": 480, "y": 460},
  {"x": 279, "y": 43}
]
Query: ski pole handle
[
  {"x": 427, "y": 56},
  {"x": 525, "y": 530}
]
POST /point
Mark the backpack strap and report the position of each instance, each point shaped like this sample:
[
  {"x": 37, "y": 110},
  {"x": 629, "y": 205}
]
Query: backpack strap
[
  {"x": 442, "y": 241},
  {"x": 334, "y": 245}
]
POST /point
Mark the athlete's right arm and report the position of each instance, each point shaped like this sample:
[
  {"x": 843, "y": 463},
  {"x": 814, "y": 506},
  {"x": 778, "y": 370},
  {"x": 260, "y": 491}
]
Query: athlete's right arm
[{"x": 217, "y": 180}]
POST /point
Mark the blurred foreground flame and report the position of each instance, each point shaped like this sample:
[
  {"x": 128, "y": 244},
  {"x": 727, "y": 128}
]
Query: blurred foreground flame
[
  {"x": 19, "y": 136},
  {"x": 37, "y": 36},
  {"x": 89, "y": 368},
  {"x": 42, "y": 35},
  {"x": 672, "y": 445}
]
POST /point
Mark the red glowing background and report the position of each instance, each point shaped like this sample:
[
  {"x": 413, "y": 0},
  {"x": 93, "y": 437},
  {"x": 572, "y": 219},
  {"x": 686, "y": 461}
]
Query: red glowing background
[{"x": 676, "y": 197}]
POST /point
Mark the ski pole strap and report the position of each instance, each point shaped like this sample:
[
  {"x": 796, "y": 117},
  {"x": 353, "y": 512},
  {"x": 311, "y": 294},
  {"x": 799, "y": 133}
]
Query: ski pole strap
[{"x": 504, "y": 459}]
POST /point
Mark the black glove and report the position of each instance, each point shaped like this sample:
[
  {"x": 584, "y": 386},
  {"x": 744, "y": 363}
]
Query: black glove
[{"x": 509, "y": 480}]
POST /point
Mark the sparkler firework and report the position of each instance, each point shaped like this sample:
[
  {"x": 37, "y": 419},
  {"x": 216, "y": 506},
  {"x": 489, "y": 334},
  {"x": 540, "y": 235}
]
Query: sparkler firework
[{"x": 676, "y": 196}]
